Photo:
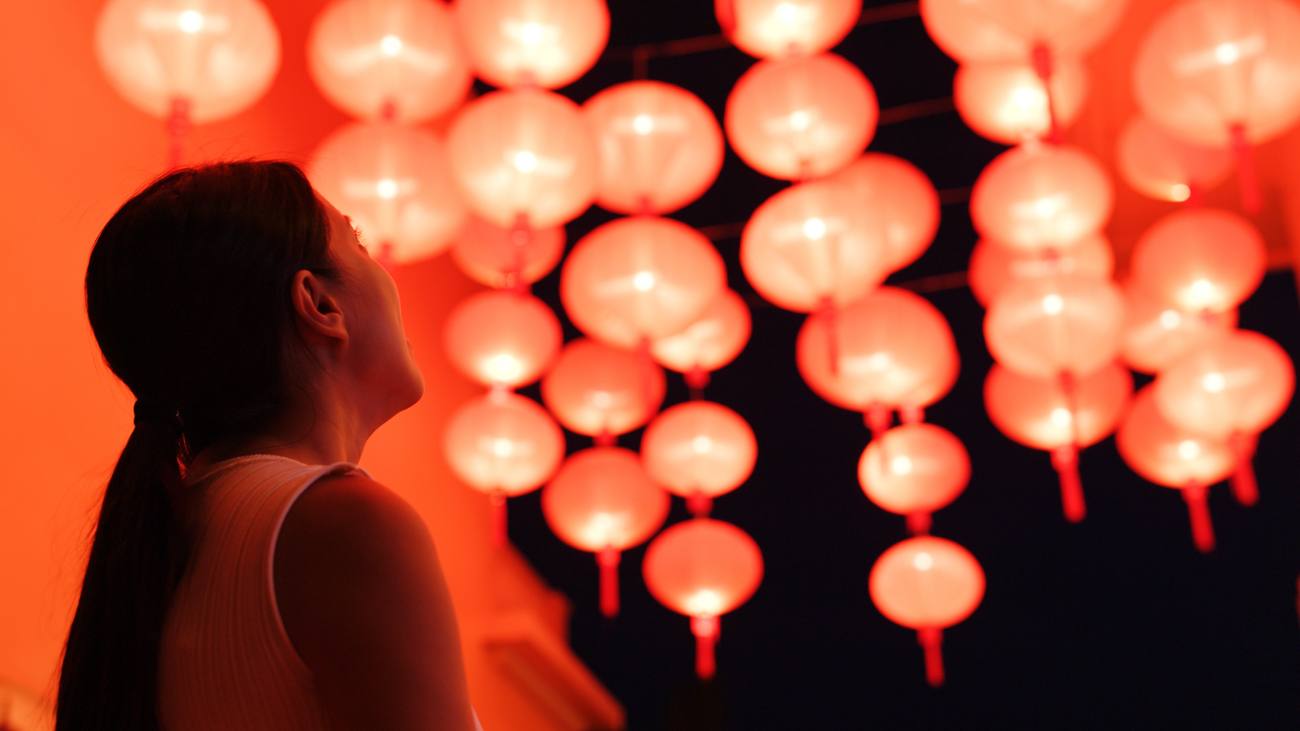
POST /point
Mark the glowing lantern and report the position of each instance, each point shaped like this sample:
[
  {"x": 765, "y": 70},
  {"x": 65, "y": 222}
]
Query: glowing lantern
[
  {"x": 772, "y": 28},
  {"x": 505, "y": 339},
  {"x": 1173, "y": 457},
  {"x": 927, "y": 584},
  {"x": 1060, "y": 418},
  {"x": 891, "y": 349},
  {"x": 546, "y": 43},
  {"x": 699, "y": 450},
  {"x": 640, "y": 278},
  {"x": 703, "y": 569},
  {"x": 1049, "y": 326},
  {"x": 1164, "y": 167},
  {"x": 503, "y": 445},
  {"x": 501, "y": 257},
  {"x": 1010, "y": 30},
  {"x": 1038, "y": 197},
  {"x": 801, "y": 117},
  {"x": 524, "y": 158},
  {"x": 1156, "y": 334},
  {"x": 993, "y": 267},
  {"x": 602, "y": 501},
  {"x": 1230, "y": 387},
  {"x": 395, "y": 183},
  {"x": 712, "y": 341},
  {"x": 602, "y": 392},
  {"x": 1008, "y": 102},
  {"x": 1201, "y": 259},
  {"x": 397, "y": 59},
  {"x": 188, "y": 60},
  {"x": 814, "y": 245},
  {"x": 901, "y": 196},
  {"x": 913, "y": 470},
  {"x": 660, "y": 146},
  {"x": 1221, "y": 73}
]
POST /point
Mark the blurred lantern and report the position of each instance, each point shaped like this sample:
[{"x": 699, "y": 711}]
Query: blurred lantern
[
  {"x": 773, "y": 28},
  {"x": 1008, "y": 102},
  {"x": 1038, "y": 197},
  {"x": 524, "y": 158},
  {"x": 712, "y": 341},
  {"x": 1223, "y": 73},
  {"x": 660, "y": 147},
  {"x": 602, "y": 501},
  {"x": 1161, "y": 166},
  {"x": 502, "y": 339},
  {"x": 545, "y": 43},
  {"x": 1054, "y": 325},
  {"x": 636, "y": 279},
  {"x": 1156, "y": 334},
  {"x": 1230, "y": 387},
  {"x": 903, "y": 199},
  {"x": 703, "y": 569},
  {"x": 1201, "y": 259},
  {"x": 914, "y": 470},
  {"x": 814, "y": 245},
  {"x": 927, "y": 584},
  {"x": 994, "y": 267},
  {"x": 801, "y": 117},
  {"x": 602, "y": 392},
  {"x": 395, "y": 184},
  {"x": 503, "y": 445},
  {"x": 395, "y": 59},
  {"x": 699, "y": 450},
  {"x": 501, "y": 257},
  {"x": 1012, "y": 30},
  {"x": 1174, "y": 457},
  {"x": 889, "y": 350},
  {"x": 1040, "y": 413},
  {"x": 188, "y": 60}
]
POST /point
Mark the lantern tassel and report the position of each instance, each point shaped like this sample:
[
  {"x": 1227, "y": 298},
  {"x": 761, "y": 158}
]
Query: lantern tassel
[
  {"x": 918, "y": 524},
  {"x": 696, "y": 379},
  {"x": 1244, "y": 487},
  {"x": 705, "y": 630},
  {"x": 878, "y": 419},
  {"x": 931, "y": 639},
  {"x": 608, "y": 559},
  {"x": 1247, "y": 181},
  {"x": 908, "y": 414},
  {"x": 699, "y": 505},
  {"x": 1198, "y": 509},
  {"x": 497, "y": 506},
  {"x": 1066, "y": 461},
  {"x": 1042, "y": 59}
]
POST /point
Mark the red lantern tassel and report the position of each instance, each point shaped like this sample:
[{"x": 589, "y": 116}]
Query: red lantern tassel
[
  {"x": 1244, "y": 487},
  {"x": 918, "y": 524},
  {"x": 1247, "y": 181},
  {"x": 1066, "y": 461},
  {"x": 696, "y": 379},
  {"x": 1042, "y": 59},
  {"x": 608, "y": 560},
  {"x": 698, "y": 505},
  {"x": 497, "y": 506},
  {"x": 1198, "y": 509},
  {"x": 705, "y": 630},
  {"x": 878, "y": 419},
  {"x": 931, "y": 639}
]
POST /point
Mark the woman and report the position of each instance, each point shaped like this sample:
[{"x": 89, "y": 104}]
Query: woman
[{"x": 245, "y": 574}]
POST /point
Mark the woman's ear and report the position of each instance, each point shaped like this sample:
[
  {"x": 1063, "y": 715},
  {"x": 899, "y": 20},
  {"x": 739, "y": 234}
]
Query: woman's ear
[{"x": 319, "y": 316}]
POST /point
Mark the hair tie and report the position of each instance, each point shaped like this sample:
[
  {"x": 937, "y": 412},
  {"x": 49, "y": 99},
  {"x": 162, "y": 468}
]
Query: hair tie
[{"x": 159, "y": 411}]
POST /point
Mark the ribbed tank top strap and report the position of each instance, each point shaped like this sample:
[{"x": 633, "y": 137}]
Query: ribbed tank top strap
[{"x": 226, "y": 662}]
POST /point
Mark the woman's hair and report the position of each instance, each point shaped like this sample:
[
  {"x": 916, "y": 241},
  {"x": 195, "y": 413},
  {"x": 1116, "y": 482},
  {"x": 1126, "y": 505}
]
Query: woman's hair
[{"x": 188, "y": 293}]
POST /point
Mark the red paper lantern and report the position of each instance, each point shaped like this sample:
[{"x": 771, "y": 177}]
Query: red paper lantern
[
  {"x": 1008, "y": 30},
  {"x": 1173, "y": 457},
  {"x": 1201, "y": 259},
  {"x": 524, "y": 159},
  {"x": 502, "y": 338},
  {"x": 993, "y": 267},
  {"x": 801, "y": 117},
  {"x": 712, "y": 341},
  {"x": 1157, "y": 334},
  {"x": 660, "y": 146},
  {"x": 914, "y": 470},
  {"x": 699, "y": 450},
  {"x": 927, "y": 584},
  {"x": 703, "y": 568},
  {"x": 602, "y": 392},
  {"x": 901, "y": 196},
  {"x": 1008, "y": 101},
  {"x": 1164, "y": 167},
  {"x": 602, "y": 501},
  {"x": 774, "y": 28},
  {"x": 814, "y": 245},
  {"x": 636, "y": 279},
  {"x": 546, "y": 43},
  {"x": 501, "y": 257},
  {"x": 395, "y": 59},
  {"x": 395, "y": 184},
  {"x": 1048, "y": 326}
]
